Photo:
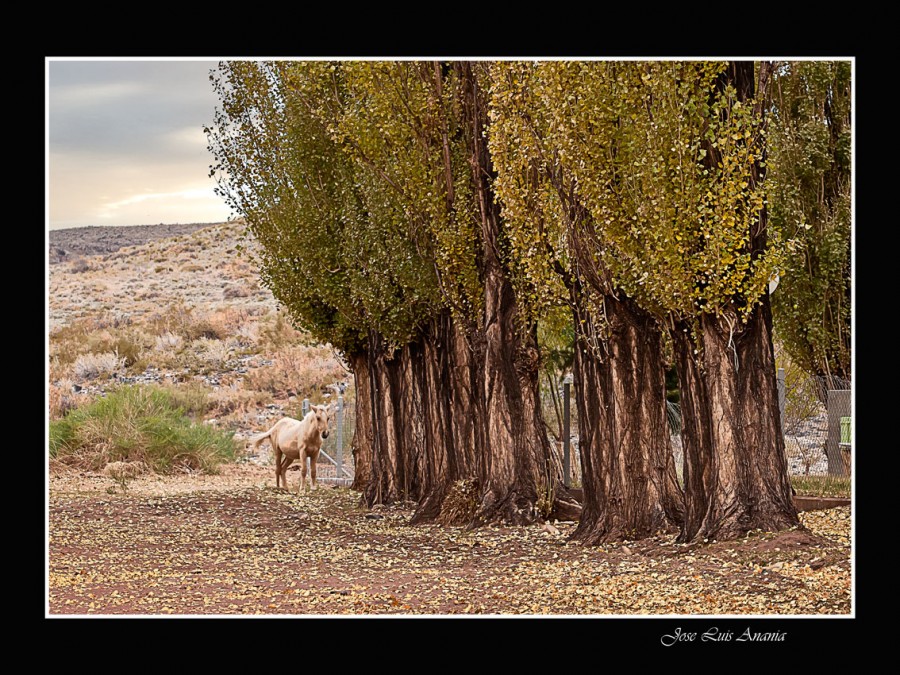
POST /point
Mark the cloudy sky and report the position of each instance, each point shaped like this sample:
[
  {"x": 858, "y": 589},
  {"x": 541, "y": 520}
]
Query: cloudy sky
[{"x": 126, "y": 143}]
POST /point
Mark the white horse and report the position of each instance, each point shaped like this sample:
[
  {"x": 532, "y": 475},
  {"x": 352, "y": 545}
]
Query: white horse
[{"x": 296, "y": 439}]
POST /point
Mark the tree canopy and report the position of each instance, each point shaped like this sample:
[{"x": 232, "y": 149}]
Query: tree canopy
[
  {"x": 424, "y": 216},
  {"x": 333, "y": 248},
  {"x": 661, "y": 161},
  {"x": 810, "y": 195}
]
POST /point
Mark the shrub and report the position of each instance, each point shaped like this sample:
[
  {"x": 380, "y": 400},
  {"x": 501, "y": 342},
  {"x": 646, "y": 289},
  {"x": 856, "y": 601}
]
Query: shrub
[
  {"x": 227, "y": 321},
  {"x": 211, "y": 352},
  {"x": 139, "y": 424},
  {"x": 62, "y": 400},
  {"x": 192, "y": 398},
  {"x": 275, "y": 331},
  {"x": 168, "y": 341},
  {"x": 99, "y": 337},
  {"x": 303, "y": 371},
  {"x": 248, "y": 333},
  {"x": 91, "y": 366},
  {"x": 179, "y": 319},
  {"x": 129, "y": 348},
  {"x": 203, "y": 328},
  {"x": 227, "y": 401},
  {"x": 69, "y": 341},
  {"x": 79, "y": 266},
  {"x": 234, "y": 291}
]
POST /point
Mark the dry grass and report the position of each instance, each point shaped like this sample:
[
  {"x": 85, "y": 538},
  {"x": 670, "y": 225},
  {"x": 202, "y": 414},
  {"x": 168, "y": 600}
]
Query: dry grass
[
  {"x": 297, "y": 371},
  {"x": 237, "y": 402},
  {"x": 276, "y": 331},
  {"x": 213, "y": 353},
  {"x": 62, "y": 398},
  {"x": 168, "y": 342},
  {"x": 92, "y": 366},
  {"x": 193, "y": 310},
  {"x": 822, "y": 486}
]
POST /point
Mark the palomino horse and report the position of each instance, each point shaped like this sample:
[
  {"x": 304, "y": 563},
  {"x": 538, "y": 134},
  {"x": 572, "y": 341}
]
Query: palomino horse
[{"x": 297, "y": 439}]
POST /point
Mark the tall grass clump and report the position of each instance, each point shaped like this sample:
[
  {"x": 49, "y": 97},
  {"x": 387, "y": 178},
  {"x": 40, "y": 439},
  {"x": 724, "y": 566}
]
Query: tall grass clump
[
  {"x": 139, "y": 424},
  {"x": 92, "y": 366},
  {"x": 297, "y": 370}
]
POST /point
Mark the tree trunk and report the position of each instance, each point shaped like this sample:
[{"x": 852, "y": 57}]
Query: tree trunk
[
  {"x": 735, "y": 469},
  {"x": 455, "y": 415},
  {"x": 521, "y": 480},
  {"x": 450, "y": 419},
  {"x": 423, "y": 412},
  {"x": 361, "y": 446},
  {"x": 395, "y": 417},
  {"x": 628, "y": 472}
]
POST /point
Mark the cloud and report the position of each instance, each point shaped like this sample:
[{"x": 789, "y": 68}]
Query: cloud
[
  {"x": 110, "y": 209},
  {"x": 120, "y": 130}
]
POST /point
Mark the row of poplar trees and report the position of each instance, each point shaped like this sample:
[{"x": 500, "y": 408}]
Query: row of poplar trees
[{"x": 422, "y": 217}]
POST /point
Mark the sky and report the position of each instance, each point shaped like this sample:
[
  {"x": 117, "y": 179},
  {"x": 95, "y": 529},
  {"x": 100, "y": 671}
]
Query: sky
[{"x": 126, "y": 143}]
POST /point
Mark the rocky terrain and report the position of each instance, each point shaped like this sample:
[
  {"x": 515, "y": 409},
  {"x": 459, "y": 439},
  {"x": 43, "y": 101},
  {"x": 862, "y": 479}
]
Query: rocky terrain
[
  {"x": 184, "y": 311},
  {"x": 187, "y": 312}
]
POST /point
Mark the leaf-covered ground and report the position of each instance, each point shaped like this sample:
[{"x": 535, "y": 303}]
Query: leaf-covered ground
[{"x": 233, "y": 544}]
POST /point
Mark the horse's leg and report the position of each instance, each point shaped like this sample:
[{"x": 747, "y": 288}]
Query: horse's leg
[
  {"x": 285, "y": 463},
  {"x": 302, "y": 472},
  {"x": 313, "y": 460},
  {"x": 278, "y": 470}
]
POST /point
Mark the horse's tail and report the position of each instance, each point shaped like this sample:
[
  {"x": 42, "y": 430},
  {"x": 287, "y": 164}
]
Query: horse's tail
[{"x": 256, "y": 440}]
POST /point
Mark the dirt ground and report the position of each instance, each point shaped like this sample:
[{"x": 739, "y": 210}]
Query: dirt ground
[{"x": 233, "y": 544}]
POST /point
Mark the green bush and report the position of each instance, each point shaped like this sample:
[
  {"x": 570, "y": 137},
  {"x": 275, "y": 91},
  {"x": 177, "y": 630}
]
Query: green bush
[{"x": 139, "y": 424}]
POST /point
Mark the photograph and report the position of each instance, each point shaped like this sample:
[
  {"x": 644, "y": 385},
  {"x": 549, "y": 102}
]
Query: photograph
[{"x": 463, "y": 337}]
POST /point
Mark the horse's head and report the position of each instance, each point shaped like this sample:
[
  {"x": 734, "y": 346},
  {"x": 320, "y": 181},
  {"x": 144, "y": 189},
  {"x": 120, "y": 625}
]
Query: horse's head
[{"x": 322, "y": 418}]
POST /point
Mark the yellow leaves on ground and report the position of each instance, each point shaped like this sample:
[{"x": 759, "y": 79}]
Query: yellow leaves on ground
[{"x": 250, "y": 549}]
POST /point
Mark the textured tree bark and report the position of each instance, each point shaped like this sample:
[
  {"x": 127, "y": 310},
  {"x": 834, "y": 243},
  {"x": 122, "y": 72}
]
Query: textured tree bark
[
  {"x": 394, "y": 396},
  {"x": 735, "y": 469},
  {"x": 520, "y": 480},
  {"x": 450, "y": 418},
  {"x": 630, "y": 485},
  {"x": 519, "y": 470},
  {"x": 421, "y": 419},
  {"x": 361, "y": 445},
  {"x": 736, "y": 477}
]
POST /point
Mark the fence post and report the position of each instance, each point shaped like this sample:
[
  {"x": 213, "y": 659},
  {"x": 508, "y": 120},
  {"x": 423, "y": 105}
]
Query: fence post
[
  {"x": 567, "y": 473},
  {"x": 305, "y": 409},
  {"x": 782, "y": 391},
  {"x": 339, "y": 455}
]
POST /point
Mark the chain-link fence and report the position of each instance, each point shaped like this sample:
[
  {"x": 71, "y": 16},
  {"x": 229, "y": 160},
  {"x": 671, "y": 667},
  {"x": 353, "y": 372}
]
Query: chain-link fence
[
  {"x": 335, "y": 463},
  {"x": 816, "y": 413},
  {"x": 816, "y": 421}
]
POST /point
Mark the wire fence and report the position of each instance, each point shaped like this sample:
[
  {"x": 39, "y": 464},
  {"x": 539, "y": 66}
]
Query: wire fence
[
  {"x": 335, "y": 464},
  {"x": 816, "y": 421},
  {"x": 815, "y": 418}
]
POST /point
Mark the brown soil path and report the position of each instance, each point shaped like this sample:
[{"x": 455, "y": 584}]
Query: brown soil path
[{"x": 232, "y": 544}]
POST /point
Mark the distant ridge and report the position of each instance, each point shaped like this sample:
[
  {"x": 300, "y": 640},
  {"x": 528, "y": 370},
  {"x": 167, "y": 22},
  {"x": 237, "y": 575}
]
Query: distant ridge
[{"x": 73, "y": 242}]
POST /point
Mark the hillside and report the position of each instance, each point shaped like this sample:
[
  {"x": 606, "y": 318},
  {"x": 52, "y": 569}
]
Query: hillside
[
  {"x": 201, "y": 269},
  {"x": 71, "y": 243},
  {"x": 186, "y": 312}
]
